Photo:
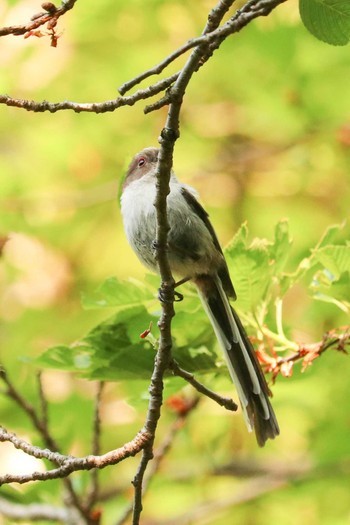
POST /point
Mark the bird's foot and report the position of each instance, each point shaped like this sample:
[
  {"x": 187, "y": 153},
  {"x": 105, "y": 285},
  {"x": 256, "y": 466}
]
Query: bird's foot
[
  {"x": 178, "y": 297},
  {"x": 165, "y": 296}
]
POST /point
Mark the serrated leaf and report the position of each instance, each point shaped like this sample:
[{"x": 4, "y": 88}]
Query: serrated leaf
[
  {"x": 60, "y": 357},
  {"x": 238, "y": 241},
  {"x": 114, "y": 347},
  {"x": 311, "y": 262},
  {"x": 114, "y": 293},
  {"x": 326, "y": 289},
  {"x": 114, "y": 351},
  {"x": 330, "y": 234},
  {"x": 336, "y": 259},
  {"x": 250, "y": 270},
  {"x": 327, "y": 20},
  {"x": 280, "y": 249}
]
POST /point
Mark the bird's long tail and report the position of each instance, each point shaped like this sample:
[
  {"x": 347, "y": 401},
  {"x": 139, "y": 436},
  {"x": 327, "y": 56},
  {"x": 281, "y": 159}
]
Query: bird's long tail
[{"x": 241, "y": 359}]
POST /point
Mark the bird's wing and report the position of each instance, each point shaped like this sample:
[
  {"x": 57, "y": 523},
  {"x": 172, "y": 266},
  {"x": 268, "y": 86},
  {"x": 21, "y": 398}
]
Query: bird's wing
[{"x": 200, "y": 212}]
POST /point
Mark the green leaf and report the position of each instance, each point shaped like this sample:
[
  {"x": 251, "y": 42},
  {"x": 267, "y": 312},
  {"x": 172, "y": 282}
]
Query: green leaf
[
  {"x": 114, "y": 293},
  {"x": 280, "y": 250},
  {"x": 309, "y": 263},
  {"x": 259, "y": 266},
  {"x": 327, "y": 20},
  {"x": 336, "y": 259},
  {"x": 337, "y": 292},
  {"x": 332, "y": 282},
  {"x": 114, "y": 351},
  {"x": 250, "y": 268},
  {"x": 330, "y": 234}
]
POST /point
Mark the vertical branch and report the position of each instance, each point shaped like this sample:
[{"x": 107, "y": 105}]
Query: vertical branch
[
  {"x": 92, "y": 495},
  {"x": 169, "y": 135},
  {"x": 161, "y": 452}
]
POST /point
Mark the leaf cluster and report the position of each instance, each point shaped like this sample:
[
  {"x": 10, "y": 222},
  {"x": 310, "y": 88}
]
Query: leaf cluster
[{"x": 115, "y": 350}]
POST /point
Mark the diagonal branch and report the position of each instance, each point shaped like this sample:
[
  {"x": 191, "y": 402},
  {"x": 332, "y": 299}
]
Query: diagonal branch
[
  {"x": 41, "y": 425},
  {"x": 161, "y": 452},
  {"x": 225, "y": 402},
  {"x": 33, "y": 512},
  {"x": 338, "y": 339},
  {"x": 69, "y": 464},
  {"x": 50, "y": 17},
  {"x": 212, "y": 37},
  {"x": 88, "y": 107}
]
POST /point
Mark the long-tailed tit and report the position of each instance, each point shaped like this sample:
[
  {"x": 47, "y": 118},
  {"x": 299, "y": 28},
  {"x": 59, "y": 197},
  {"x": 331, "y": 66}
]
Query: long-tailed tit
[{"x": 194, "y": 253}]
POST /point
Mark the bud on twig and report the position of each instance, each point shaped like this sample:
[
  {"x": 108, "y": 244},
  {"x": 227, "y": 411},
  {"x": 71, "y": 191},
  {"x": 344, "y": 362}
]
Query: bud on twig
[{"x": 49, "y": 7}]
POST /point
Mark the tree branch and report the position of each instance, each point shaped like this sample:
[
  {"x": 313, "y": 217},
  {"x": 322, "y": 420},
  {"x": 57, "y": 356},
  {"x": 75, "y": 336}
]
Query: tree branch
[
  {"x": 69, "y": 464},
  {"x": 338, "y": 339},
  {"x": 225, "y": 402},
  {"x": 87, "y": 107},
  {"x": 169, "y": 135},
  {"x": 49, "y": 18},
  {"x": 33, "y": 512},
  {"x": 160, "y": 453},
  {"x": 173, "y": 89},
  {"x": 41, "y": 425},
  {"x": 211, "y": 39},
  {"x": 92, "y": 495}
]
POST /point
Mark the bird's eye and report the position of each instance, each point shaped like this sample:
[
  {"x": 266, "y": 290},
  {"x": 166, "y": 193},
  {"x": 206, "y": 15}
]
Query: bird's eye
[{"x": 141, "y": 162}]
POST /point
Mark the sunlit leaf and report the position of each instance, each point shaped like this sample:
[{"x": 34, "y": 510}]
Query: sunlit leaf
[
  {"x": 330, "y": 235},
  {"x": 114, "y": 293},
  {"x": 328, "y": 289},
  {"x": 250, "y": 268},
  {"x": 322, "y": 253},
  {"x": 335, "y": 259},
  {"x": 280, "y": 250},
  {"x": 114, "y": 351}
]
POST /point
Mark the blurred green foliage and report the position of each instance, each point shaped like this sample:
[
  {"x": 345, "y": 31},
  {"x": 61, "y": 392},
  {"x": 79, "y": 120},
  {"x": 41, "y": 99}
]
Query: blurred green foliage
[{"x": 265, "y": 136}]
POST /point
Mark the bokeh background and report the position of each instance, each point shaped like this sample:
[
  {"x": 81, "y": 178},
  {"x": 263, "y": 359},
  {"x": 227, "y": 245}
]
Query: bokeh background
[{"x": 265, "y": 135}]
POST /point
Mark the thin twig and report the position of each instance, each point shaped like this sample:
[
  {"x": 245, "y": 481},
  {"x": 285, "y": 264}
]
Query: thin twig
[
  {"x": 41, "y": 425},
  {"x": 167, "y": 293},
  {"x": 33, "y": 512},
  {"x": 28, "y": 408},
  {"x": 160, "y": 453},
  {"x": 51, "y": 15},
  {"x": 225, "y": 402},
  {"x": 93, "y": 107},
  {"x": 210, "y": 40},
  {"x": 43, "y": 402},
  {"x": 69, "y": 464},
  {"x": 338, "y": 339},
  {"x": 214, "y": 20},
  {"x": 31, "y": 450},
  {"x": 93, "y": 492}
]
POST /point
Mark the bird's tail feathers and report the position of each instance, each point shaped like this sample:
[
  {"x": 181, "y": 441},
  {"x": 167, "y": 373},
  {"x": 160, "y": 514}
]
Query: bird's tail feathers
[{"x": 241, "y": 359}]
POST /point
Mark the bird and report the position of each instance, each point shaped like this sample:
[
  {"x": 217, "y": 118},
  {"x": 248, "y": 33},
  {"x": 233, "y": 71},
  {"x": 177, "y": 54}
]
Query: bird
[{"x": 194, "y": 254}]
